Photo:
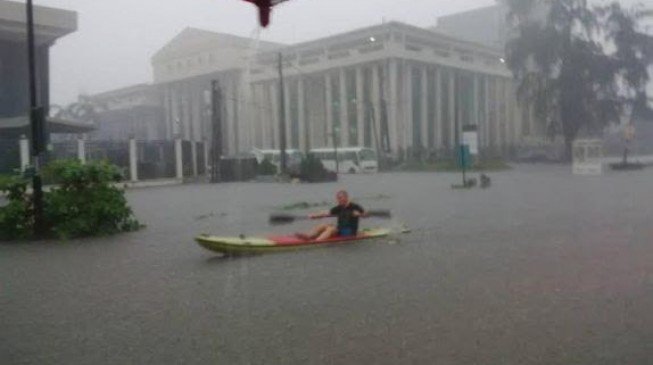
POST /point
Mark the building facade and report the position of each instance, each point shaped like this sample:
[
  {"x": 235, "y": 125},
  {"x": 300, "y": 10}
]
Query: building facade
[
  {"x": 49, "y": 25},
  {"x": 131, "y": 112},
  {"x": 395, "y": 87},
  {"x": 404, "y": 90}
]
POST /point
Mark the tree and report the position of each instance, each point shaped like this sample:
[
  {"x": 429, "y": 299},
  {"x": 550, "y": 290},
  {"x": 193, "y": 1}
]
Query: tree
[
  {"x": 579, "y": 67},
  {"x": 85, "y": 110}
]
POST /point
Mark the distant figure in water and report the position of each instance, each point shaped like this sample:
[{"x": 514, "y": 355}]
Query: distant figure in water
[
  {"x": 485, "y": 181},
  {"x": 348, "y": 214}
]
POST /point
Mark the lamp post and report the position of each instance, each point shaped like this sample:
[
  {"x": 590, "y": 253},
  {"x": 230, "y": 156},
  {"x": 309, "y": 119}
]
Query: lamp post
[{"x": 37, "y": 123}]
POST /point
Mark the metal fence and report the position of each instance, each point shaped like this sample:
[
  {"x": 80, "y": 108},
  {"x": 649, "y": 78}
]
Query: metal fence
[
  {"x": 187, "y": 158},
  {"x": 115, "y": 152},
  {"x": 156, "y": 159},
  {"x": 63, "y": 150},
  {"x": 201, "y": 163}
]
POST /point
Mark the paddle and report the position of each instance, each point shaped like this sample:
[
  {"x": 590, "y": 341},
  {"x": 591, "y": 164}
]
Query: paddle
[{"x": 281, "y": 218}]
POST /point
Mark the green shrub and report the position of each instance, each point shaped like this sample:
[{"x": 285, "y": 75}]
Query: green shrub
[
  {"x": 266, "y": 168},
  {"x": 86, "y": 203},
  {"x": 16, "y": 219}
]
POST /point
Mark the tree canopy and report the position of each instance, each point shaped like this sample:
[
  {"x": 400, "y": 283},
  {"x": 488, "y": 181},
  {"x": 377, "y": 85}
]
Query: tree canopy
[{"x": 579, "y": 66}]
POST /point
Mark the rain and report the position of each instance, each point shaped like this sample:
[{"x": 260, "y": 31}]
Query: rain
[{"x": 378, "y": 181}]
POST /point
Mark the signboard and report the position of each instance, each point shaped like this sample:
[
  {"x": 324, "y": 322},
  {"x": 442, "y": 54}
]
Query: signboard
[{"x": 470, "y": 138}]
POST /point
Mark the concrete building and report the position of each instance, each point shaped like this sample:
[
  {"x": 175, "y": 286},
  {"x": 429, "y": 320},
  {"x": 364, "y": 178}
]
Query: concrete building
[
  {"x": 50, "y": 25},
  {"x": 134, "y": 111},
  {"x": 487, "y": 25},
  {"x": 403, "y": 88},
  {"x": 183, "y": 71}
]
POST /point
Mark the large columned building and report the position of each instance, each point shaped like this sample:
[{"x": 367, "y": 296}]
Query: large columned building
[
  {"x": 393, "y": 86},
  {"x": 404, "y": 90}
]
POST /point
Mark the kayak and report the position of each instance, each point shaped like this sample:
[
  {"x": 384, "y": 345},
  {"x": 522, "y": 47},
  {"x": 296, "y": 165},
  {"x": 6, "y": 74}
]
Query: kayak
[{"x": 235, "y": 245}]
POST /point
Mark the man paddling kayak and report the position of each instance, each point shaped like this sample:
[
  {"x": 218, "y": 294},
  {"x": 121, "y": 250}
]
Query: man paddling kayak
[{"x": 348, "y": 214}]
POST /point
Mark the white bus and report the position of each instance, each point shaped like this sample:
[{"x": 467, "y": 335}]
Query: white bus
[
  {"x": 351, "y": 160},
  {"x": 293, "y": 157}
]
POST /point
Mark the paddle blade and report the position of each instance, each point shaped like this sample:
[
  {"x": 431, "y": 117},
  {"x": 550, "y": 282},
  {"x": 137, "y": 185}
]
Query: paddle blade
[
  {"x": 282, "y": 218},
  {"x": 379, "y": 214}
]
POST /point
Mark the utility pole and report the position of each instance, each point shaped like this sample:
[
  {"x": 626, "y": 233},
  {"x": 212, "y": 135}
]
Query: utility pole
[
  {"x": 282, "y": 119},
  {"x": 37, "y": 121},
  {"x": 216, "y": 122}
]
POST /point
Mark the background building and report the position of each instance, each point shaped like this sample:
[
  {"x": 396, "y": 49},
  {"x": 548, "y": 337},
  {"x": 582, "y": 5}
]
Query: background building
[
  {"x": 50, "y": 24},
  {"x": 404, "y": 90},
  {"x": 131, "y": 112}
]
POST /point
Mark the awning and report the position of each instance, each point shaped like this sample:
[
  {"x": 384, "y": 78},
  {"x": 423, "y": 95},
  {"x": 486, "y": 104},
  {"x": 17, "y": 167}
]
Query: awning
[{"x": 17, "y": 126}]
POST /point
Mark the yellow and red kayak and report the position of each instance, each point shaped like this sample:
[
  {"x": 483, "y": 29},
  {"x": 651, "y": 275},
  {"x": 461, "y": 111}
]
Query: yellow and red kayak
[{"x": 235, "y": 245}]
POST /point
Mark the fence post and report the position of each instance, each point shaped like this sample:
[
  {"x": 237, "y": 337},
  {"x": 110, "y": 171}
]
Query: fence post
[
  {"x": 178, "y": 159},
  {"x": 23, "y": 144},
  {"x": 206, "y": 157},
  {"x": 81, "y": 149},
  {"x": 133, "y": 160},
  {"x": 193, "y": 153}
]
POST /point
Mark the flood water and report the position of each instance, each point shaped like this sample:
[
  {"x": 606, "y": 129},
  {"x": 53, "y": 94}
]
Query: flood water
[{"x": 542, "y": 268}]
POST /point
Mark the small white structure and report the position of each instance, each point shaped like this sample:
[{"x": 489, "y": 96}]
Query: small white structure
[{"x": 587, "y": 157}]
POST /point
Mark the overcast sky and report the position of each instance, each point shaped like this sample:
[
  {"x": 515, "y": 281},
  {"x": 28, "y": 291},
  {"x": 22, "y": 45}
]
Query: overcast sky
[{"x": 116, "y": 38}]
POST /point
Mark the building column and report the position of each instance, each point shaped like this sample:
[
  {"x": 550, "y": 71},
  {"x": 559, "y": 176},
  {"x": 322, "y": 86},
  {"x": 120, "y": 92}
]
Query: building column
[
  {"x": 328, "y": 140},
  {"x": 375, "y": 98},
  {"x": 407, "y": 106},
  {"x": 452, "y": 110},
  {"x": 23, "y": 145},
  {"x": 274, "y": 118},
  {"x": 81, "y": 149},
  {"x": 360, "y": 106},
  {"x": 133, "y": 160},
  {"x": 486, "y": 118},
  {"x": 286, "y": 106},
  {"x": 179, "y": 168},
  {"x": 392, "y": 105},
  {"x": 167, "y": 112},
  {"x": 475, "y": 103},
  {"x": 301, "y": 116},
  {"x": 425, "y": 117},
  {"x": 499, "y": 123},
  {"x": 228, "y": 123},
  {"x": 344, "y": 121},
  {"x": 437, "y": 137}
]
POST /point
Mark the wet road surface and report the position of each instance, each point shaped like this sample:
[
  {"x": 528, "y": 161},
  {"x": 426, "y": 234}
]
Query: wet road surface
[{"x": 542, "y": 268}]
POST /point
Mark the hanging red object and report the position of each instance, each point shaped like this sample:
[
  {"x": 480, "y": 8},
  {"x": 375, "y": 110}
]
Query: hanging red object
[{"x": 265, "y": 8}]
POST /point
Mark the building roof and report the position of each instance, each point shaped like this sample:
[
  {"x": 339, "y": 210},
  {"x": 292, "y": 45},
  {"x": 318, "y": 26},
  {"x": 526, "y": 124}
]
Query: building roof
[
  {"x": 392, "y": 25},
  {"x": 50, "y": 23},
  {"x": 21, "y": 125},
  {"x": 194, "y": 40}
]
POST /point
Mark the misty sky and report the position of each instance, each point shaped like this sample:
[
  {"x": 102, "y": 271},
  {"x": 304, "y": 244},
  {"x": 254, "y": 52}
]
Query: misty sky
[{"x": 116, "y": 38}]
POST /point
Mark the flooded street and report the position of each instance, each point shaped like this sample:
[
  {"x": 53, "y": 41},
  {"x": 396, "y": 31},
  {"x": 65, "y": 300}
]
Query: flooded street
[{"x": 542, "y": 268}]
